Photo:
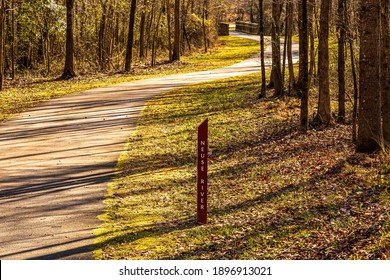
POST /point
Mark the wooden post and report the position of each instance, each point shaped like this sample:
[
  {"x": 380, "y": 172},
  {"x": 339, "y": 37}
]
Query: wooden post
[{"x": 202, "y": 172}]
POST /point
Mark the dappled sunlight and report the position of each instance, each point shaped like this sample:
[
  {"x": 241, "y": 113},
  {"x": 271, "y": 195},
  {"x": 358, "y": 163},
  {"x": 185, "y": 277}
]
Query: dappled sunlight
[{"x": 274, "y": 193}]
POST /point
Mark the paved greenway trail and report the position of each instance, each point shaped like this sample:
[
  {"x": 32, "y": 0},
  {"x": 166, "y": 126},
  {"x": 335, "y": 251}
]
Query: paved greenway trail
[{"x": 57, "y": 159}]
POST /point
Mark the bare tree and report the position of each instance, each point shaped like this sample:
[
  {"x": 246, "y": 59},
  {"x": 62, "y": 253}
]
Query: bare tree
[
  {"x": 276, "y": 72},
  {"x": 324, "y": 116},
  {"x": 341, "y": 35},
  {"x": 369, "y": 121},
  {"x": 262, "y": 57},
  {"x": 176, "y": 43},
  {"x": 2, "y": 39},
  {"x": 304, "y": 50},
  {"x": 289, "y": 27},
  {"x": 142, "y": 29},
  {"x": 69, "y": 69},
  {"x": 130, "y": 38},
  {"x": 13, "y": 35}
]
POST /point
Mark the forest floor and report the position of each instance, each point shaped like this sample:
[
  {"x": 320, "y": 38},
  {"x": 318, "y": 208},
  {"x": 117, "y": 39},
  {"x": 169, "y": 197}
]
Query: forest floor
[
  {"x": 274, "y": 193},
  {"x": 56, "y": 159}
]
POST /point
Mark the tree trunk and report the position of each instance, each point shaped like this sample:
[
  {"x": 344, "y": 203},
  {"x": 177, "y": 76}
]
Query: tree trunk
[
  {"x": 102, "y": 38},
  {"x": 284, "y": 49},
  {"x": 355, "y": 92},
  {"x": 130, "y": 38},
  {"x": 385, "y": 71},
  {"x": 341, "y": 60},
  {"x": 276, "y": 73},
  {"x": 289, "y": 27},
  {"x": 370, "y": 128},
  {"x": 262, "y": 56},
  {"x": 155, "y": 37},
  {"x": 311, "y": 23},
  {"x": 304, "y": 56},
  {"x": 2, "y": 39},
  {"x": 142, "y": 30},
  {"x": 170, "y": 49},
  {"x": 354, "y": 74},
  {"x": 13, "y": 40},
  {"x": 205, "y": 4},
  {"x": 301, "y": 54},
  {"x": 149, "y": 30},
  {"x": 176, "y": 43},
  {"x": 69, "y": 69},
  {"x": 324, "y": 116}
]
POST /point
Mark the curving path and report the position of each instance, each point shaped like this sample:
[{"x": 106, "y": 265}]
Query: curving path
[{"x": 57, "y": 159}]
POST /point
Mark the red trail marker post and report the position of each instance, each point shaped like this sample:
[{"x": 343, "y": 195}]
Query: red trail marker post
[{"x": 202, "y": 172}]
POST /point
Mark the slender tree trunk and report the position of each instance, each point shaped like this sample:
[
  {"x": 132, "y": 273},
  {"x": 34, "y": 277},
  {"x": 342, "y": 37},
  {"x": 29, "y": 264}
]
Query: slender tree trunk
[
  {"x": 324, "y": 116},
  {"x": 262, "y": 56},
  {"x": 354, "y": 74},
  {"x": 2, "y": 39},
  {"x": 148, "y": 31},
  {"x": 69, "y": 69},
  {"x": 102, "y": 38},
  {"x": 289, "y": 27},
  {"x": 355, "y": 92},
  {"x": 130, "y": 39},
  {"x": 170, "y": 49},
  {"x": 370, "y": 127},
  {"x": 13, "y": 41},
  {"x": 155, "y": 37},
  {"x": 204, "y": 13},
  {"x": 177, "y": 44},
  {"x": 276, "y": 73},
  {"x": 142, "y": 30},
  {"x": 385, "y": 70},
  {"x": 48, "y": 53},
  {"x": 304, "y": 89},
  {"x": 284, "y": 49},
  {"x": 341, "y": 60},
  {"x": 311, "y": 23},
  {"x": 301, "y": 54}
]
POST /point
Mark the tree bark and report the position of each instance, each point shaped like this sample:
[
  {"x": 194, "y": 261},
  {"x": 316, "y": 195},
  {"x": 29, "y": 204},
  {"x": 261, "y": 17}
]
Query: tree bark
[
  {"x": 276, "y": 73},
  {"x": 130, "y": 38},
  {"x": 311, "y": 23},
  {"x": 155, "y": 36},
  {"x": 354, "y": 74},
  {"x": 13, "y": 40},
  {"x": 355, "y": 92},
  {"x": 142, "y": 30},
  {"x": 176, "y": 43},
  {"x": 262, "y": 55},
  {"x": 385, "y": 71},
  {"x": 69, "y": 69},
  {"x": 2, "y": 41},
  {"x": 324, "y": 116},
  {"x": 369, "y": 123},
  {"x": 170, "y": 49},
  {"x": 304, "y": 56},
  {"x": 284, "y": 48},
  {"x": 289, "y": 27},
  {"x": 204, "y": 17},
  {"x": 341, "y": 60},
  {"x": 102, "y": 38}
]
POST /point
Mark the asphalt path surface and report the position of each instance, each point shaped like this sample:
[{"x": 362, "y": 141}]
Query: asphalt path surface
[{"x": 57, "y": 159}]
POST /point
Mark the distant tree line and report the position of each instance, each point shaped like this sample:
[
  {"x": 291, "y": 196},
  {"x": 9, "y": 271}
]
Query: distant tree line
[{"x": 69, "y": 37}]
